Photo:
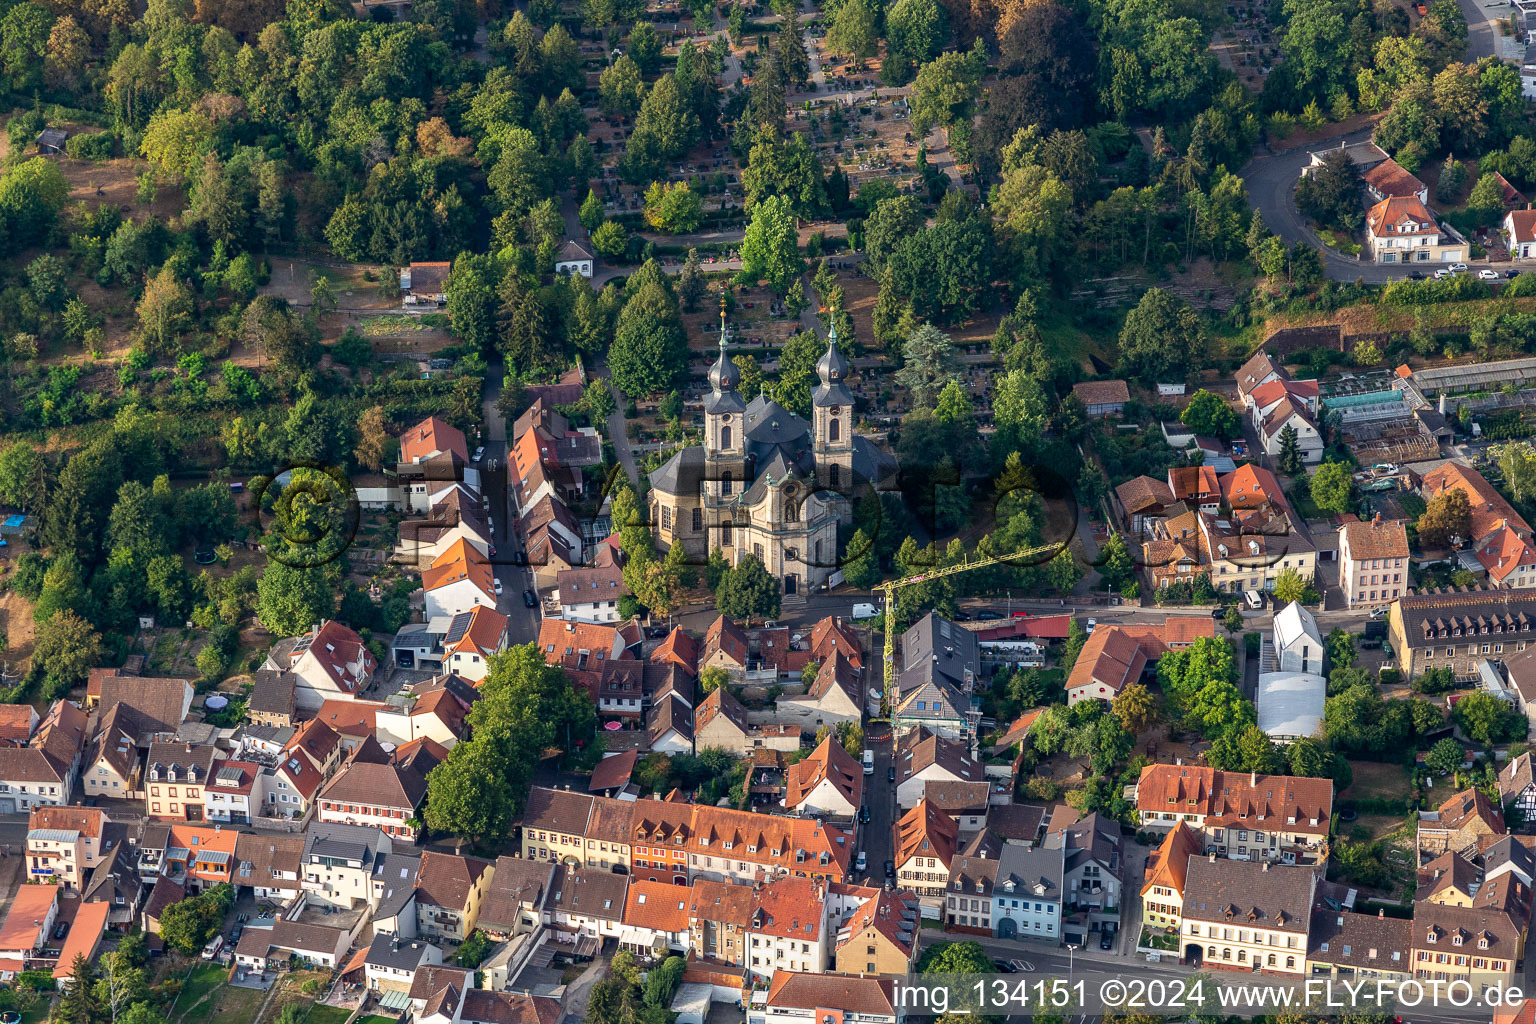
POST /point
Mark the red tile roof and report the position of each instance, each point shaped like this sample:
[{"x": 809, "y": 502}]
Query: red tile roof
[
  {"x": 1398, "y": 216},
  {"x": 725, "y": 636},
  {"x": 1225, "y": 798},
  {"x": 432, "y": 435},
  {"x": 461, "y": 561},
  {"x": 926, "y": 831},
  {"x": 829, "y": 761},
  {"x": 659, "y": 906},
  {"x": 789, "y": 908}
]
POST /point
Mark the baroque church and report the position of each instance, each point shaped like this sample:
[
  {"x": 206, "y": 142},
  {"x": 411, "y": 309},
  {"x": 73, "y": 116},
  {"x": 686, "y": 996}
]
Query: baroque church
[{"x": 766, "y": 482}]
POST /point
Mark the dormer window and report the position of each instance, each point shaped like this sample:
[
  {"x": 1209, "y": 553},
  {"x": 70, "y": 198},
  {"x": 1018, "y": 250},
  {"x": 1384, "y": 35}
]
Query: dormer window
[
  {"x": 1456, "y": 941},
  {"x": 1430, "y": 937}
]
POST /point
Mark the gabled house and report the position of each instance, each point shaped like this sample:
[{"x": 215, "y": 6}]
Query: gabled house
[
  {"x": 1517, "y": 785},
  {"x": 1260, "y": 368},
  {"x": 1373, "y": 562},
  {"x": 339, "y": 862},
  {"x": 1460, "y": 823},
  {"x": 1520, "y": 234},
  {"x": 432, "y": 436},
  {"x": 1141, "y": 499},
  {"x": 273, "y": 700},
  {"x": 458, "y": 579},
  {"x": 591, "y": 594},
  {"x": 1027, "y": 893},
  {"x": 721, "y": 721},
  {"x": 1243, "y": 915},
  {"x": 1289, "y": 414},
  {"x": 1401, "y": 229},
  {"x": 175, "y": 775},
  {"x": 725, "y": 646},
  {"x": 232, "y": 794},
  {"x": 836, "y": 694},
  {"x": 1093, "y": 869},
  {"x": 879, "y": 935},
  {"x": 1239, "y": 814},
  {"x": 926, "y": 841},
  {"x": 64, "y": 844},
  {"x": 1162, "y": 889},
  {"x": 17, "y": 724},
  {"x": 514, "y": 903},
  {"x": 43, "y": 772},
  {"x": 1298, "y": 644},
  {"x": 392, "y": 962},
  {"x": 1195, "y": 486},
  {"x": 450, "y": 890},
  {"x": 789, "y": 928},
  {"x": 386, "y": 793},
  {"x": 316, "y": 944},
  {"x": 162, "y": 702},
  {"x": 272, "y": 866},
  {"x": 924, "y": 758},
  {"x": 329, "y": 662},
  {"x": 826, "y": 783},
  {"x": 1389, "y": 179}
]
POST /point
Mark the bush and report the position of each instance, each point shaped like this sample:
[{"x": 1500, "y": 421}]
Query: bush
[
  {"x": 97, "y": 147},
  {"x": 1390, "y": 677}
]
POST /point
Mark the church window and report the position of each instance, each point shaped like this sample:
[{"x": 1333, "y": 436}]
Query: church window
[
  {"x": 725, "y": 483},
  {"x": 834, "y": 429},
  {"x": 698, "y": 520},
  {"x": 836, "y": 475},
  {"x": 666, "y": 519},
  {"x": 725, "y": 535},
  {"x": 757, "y": 549},
  {"x": 725, "y": 437}
]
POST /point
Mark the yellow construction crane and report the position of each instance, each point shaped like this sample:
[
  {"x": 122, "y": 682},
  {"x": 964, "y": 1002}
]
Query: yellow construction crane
[{"x": 891, "y": 586}]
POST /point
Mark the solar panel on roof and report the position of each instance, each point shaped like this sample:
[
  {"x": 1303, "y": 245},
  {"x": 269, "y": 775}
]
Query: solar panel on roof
[{"x": 457, "y": 628}]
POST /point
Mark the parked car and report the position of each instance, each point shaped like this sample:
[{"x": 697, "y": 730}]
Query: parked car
[
  {"x": 890, "y": 869},
  {"x": 1004, "y": 967},
  {"x": 1439, "y": 274},
  {"x": 862, "y": 863},
  {"x": 890, "y": 774},
  {"x": 529, "y": 598},
  {"x": 1413, "y": 275},
  {"x": 496, "y": 585},
  {"x": 1458, "y": 268},
  {"x": 1511, "y": 273},
  {"x": 1093, "y": 624},
  {"x": 988, "y": 614},
  {"x": 1107, "y": 940},
  {"x": 479, "y": 454},
  {"x": 1487, "y": 275},
  {"x": 864, "y": 815}
]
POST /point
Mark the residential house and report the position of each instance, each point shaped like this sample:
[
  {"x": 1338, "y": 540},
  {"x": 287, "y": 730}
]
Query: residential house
[
  {"x": 826, "y": 783},
  {"x": 1103, "y": 397},
  {"x": 879, "y": 934},
  {"x": 1517, "y": 786},
  {"x": 316, "y": 944},
  {"x": 174, "y": 779},
  {"x": 64, "y": 844},
  {"x": 384, "y": 793},
  {"x": 1028, "y": 893},
  {"x": 835, "y": 695},
  {"x": 1401, "y": 229},
  {"x": 1481, "y": 944},
  {"x": 788, "y": 929},
  {"x": 1373, "y": 562},
  {"x": 719, "y": 915},
  {"x": 438, "y": 714},
  {"x": 1298, "y": 644},
  {"x": 318, "y": 745},
  {"x": 1363, "y": 155},
  {"x": 162, "y": 702},
  {"x": 1459, "y": 823},
  {"x": 425, "y": 284},
  {"x": 1092, "y": 867},
  {"x": 273, "y": 700},
  {"x": 1344, "y": 944},
  {"x": 1520, "y": 234},
  {"x": 43, "y": 773},
  {"x": 1239, "y": 814},
  {"x": 1162, "y": 889},
  {"x": 1245, "y": 915},
  {"x": 231, "y": 794},
  {"x": 1259, "y": 369},
  {"x": 514, "y": 902},
  {"x": 573, "y": 258},
  {"x": 588, "y": 903},
  {"x": 721, "y": 721},
  {"x": 288, "y": 787},
  {"x": 273, "y": 866},
  {"x": 678, "y": 649},
  {"x": 725, "y": 646},
  {"x": 655, "y": 917},
  {"x": 924, "y": 758},
  {"x": 1457, "y": 629},
  {"x": 329, "y": 662},
  {"x": 392, "y": 893},
  {"x": 1195, "y": 486},
  {"x": 339, "y": 862},
  {"x": 454, "y": 514},
  {"x": 393, "y": 961},
  {"x": 555, "y": 825},
  {"x": 800, "y": 998},
  {"x": 1141, "y": 499},
  {"x": 668, "y": 728},
  {"x": 926, "y": 842},
  {"x": 199, "y": 857},
  {"x": 590, "y": 594},
  {"x": 450, "y": 890},
  {"x": 458, "y": 580},
  {"x": 1289, "y": 416},
  {"x": 458, "y": 1004},
  {"x": 1251, "y": 487},
  {"x": 1388, "y": 180},
  {"x": 1115, "y": 656},
  {"x": 17, "y": 724}
]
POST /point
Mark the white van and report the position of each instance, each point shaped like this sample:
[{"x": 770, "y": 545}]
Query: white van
[
  {"x": 865, "y": 610},
  {"x": 869, "y": 761},
  {"x": 212, "y": 949},
  {"x": 1255, "y": 598},
  {"x": 862, "y": 863}
]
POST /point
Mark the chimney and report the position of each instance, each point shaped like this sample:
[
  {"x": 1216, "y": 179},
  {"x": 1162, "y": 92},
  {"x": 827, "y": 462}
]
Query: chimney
[
  {"x": 1212, "y": 856},
  {"x": 1380, "y": 914},
  {"x": 1253, "y": 778},
  {"x": 1264, "y": 866}
]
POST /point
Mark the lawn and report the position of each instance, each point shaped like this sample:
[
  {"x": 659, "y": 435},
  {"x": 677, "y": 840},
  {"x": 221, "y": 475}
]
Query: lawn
[
  {"x": 374, "y": 1018},
  {"x": 322, "y": 1014},
  {"x": 237, "y": 1005},
  {"x": 1374, "y": 780},
  {"x": 201, "y": 981}
]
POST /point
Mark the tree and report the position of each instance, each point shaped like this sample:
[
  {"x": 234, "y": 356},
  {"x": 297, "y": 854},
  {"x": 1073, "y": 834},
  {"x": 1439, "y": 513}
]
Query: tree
[
  {"x": 66, "y": 648},
  {"x": 1211, "y": 415},
  {"x": 946, "y": 89},
  {"x": 526, "y": 707},
  {"x": 928, "y": 363},
  {"x": 771, "y": 249},
  {"x": 1289, "y": 586},
  {"x": 666, "y": 128},
  {"x": 174, "y": 141},
  {"x": 1161, "y": 336},
  {"x": 188, "y": 926},
  {"x": 853, "y": 32},
  {"x": 590, "y": 215},
  {"x": 1135, "y": 707},
  {"x": 946, "y": 957},
  {"x": 691, "y": 283},
  {"x": 1331, "y": 484},
  {"x": 1486, "y": 200},
  {"x": 165, "y": 310},
  {"x": 748, "y": 592},
  {"x": 712, "y": 678},
  {"x": 1446, "y": 520},
  {"x": 1487, "y": 719},
  {"x": 673, "y": 208},
  {"x": 22, "y": 476},
  {"x": 289, "y": 599},
  {"x": 1330, "y": 194},
  {"x": 1445, "y": 756},
  {"x": 649, "y": 352},
  {"x": 372, "y": 436},
  {"x": 861, "y": 566},
  {"x": 1290, "y": 460},
  {"x": 620, "y": 88}
]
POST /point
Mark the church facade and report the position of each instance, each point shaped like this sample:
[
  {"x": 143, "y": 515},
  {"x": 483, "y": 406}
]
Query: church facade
[{"x": 764, "y": 481}]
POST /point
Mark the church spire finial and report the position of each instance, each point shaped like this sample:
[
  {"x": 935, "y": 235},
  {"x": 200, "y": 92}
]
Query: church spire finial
[
  {"x": 723, "y": 376},
  {"x": 722, "y": 320}
]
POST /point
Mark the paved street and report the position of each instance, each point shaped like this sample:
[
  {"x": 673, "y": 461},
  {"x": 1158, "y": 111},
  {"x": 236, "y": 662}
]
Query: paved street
[{"x": 523, "y": 622}]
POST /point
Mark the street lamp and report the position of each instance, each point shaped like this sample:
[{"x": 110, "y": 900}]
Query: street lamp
[{"x": 1070, "y": 950}]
